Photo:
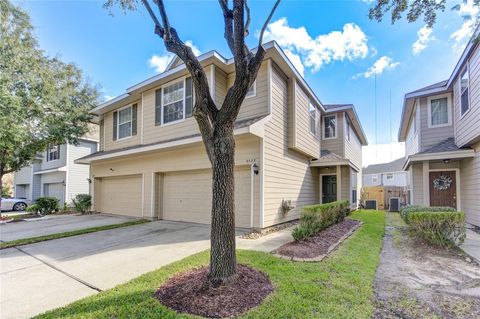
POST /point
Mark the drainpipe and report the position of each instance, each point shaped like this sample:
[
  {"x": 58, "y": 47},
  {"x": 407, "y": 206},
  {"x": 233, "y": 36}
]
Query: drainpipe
[{"x": 252, "y": 193}]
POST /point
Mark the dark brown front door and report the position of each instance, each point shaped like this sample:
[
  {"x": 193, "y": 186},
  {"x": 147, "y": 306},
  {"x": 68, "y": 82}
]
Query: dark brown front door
[
  {"x": 329, "y": 188},
  {"x": 443, "y": 189}
]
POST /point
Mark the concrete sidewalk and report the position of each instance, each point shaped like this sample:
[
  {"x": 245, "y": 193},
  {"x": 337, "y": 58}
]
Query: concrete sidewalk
[
  {"x": 39, "y": 277},
  {"x": 52, "y": 224},
  {"x": 472, "y": 245}
]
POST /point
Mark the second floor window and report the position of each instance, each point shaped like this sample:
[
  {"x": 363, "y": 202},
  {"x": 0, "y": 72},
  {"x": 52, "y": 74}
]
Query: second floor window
[
  {"x": 348, "y": 129},
  {"x": 313, "y": 116},
  {"x": 389, "y": 176},
  {"x": 53, "y": 152},
  {"x": 464, "y": 84},
  {"x": 174, "y": 102},
  {"x": 252, "y": 91},
  {"x": 124, "y": 125},
  {"x": 330, "y": 126},
  {"x": 439, "y": 113}
]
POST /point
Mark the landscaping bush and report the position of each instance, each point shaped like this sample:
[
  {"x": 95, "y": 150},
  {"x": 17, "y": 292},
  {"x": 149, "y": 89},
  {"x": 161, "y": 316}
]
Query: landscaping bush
[
  {"x": 315, "y": 218},
  {"x": 82, "y": 203},
  {"x": 45, "y": 205},
  {"x": 407, "y": 210},
  {"x": 445, "y": 228}
]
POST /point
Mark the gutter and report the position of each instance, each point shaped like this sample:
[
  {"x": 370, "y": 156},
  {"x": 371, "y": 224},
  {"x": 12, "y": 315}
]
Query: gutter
[{"x": 438, "y": 156}]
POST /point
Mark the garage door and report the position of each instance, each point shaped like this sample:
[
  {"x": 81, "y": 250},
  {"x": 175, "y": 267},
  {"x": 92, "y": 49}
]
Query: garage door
[
  {"x": 56, "y": 190},
  {"x": 187, "y": 196},
  {"x": 121, "y": 195}
]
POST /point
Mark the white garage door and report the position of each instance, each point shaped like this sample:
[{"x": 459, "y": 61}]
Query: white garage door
[
  {"x": 187, "y": 196},
  {"x": 56, "y": 190},
  {"x": 121, "y": 195}
]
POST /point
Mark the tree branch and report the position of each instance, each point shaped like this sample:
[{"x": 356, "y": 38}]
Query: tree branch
[
  {"x": 262, "y": 31},
  {"x": 158, "y": 27},
  {"x": 163, "y": 15},
  {"x": 247, "y": 23},
  {"x": 228, "y": 21}
]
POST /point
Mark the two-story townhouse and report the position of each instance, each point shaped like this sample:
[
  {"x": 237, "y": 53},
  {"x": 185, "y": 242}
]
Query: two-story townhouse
[
  {"x": 55, "y": 172},
  {"x": 442, "y": 135},
  {"x": 385, "y": 174},
  {"x": 152, "y": 162}
]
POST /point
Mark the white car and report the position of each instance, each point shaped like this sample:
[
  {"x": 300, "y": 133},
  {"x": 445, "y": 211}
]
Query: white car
[{"x": 15, "y": 204}]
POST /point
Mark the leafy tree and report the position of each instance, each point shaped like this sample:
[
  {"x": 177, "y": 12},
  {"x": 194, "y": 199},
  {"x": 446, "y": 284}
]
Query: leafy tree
[
  {"x": 216, "y": 122},
  {"x": 42, "y": 100}
]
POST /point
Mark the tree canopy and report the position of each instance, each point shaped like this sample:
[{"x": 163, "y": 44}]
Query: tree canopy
[{"x": 42, "y": 100}]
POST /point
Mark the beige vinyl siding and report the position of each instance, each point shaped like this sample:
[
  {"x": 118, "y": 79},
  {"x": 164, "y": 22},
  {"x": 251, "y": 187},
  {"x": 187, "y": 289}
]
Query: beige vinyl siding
[
  {"x": 77, "y": 175},
  {"x": 335, "y": 145},
  {"x": 346, "y": 187},
  {"x": 466, "y": 127},
  {"x": 188, "y": 158},
  {"x": 121, "y": 195},
  {"x": 433, "y": 135},
  {"x": 299, "y": 135},
  {"x": 412, "y": 142},
  {"x": 256, "y": 105},
  {"x": 470, "y": 187},
  {"x": 109, "y": 143},
  {"x": 187, "y": 196},
  {"x": 353, "y": 148},
  {"x": 417, "y": 183},
  {"x": 287, "y": 174},
  {"x": 220, "y": 86},
  {"x": 101, "y": 141}
]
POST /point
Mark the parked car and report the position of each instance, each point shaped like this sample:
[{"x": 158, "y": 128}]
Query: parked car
[{"x": 15, "y": 204}]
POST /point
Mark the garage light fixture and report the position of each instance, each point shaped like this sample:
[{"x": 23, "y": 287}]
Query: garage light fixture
[{"x": 255, "y": 168}]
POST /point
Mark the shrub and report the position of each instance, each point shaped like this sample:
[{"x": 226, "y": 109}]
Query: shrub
[
  {"x": 407, "y": 210},
  {"x": 46, "y": 205},
  {"x": 438, "y": 228},
  {"x": 32, "y": 208},
  {"x": 82, "y": 203},
  {"x": 315, "y": 218}
]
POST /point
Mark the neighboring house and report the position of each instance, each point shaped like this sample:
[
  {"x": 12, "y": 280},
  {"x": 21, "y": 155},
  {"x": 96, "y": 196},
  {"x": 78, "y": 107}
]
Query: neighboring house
[
  {"x": 440, "y": 125},
  {"x": 152, "y": 162},
  {"x": 7, "y": 183},
  {"x": 55, "y": 174},
  {"x": 386, "y": 174}
]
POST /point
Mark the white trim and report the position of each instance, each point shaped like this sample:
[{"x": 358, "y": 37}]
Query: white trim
[
  {"x": 348, "y": 126},
  {"x": 426, "y": 183},
  {"x": 339, "y": 182},
  {"x": 254, "y": 85},
  {"x": 66, "y": 173},
  {"x": 321, "y": 184},
  {"x": 178, "y": 80},
  {"x": 262, "y": 185},
  {"x": 457, "y": 185},
  {"x": 252, "y": 194},
  {"x": 324, "y": 127},
  {"x": 152, "y": 196},
  {"x": 53, "y": 170},
  {"x": 141, "y": 125},
  {"x": 438, "y": 156},
  {"x": 118, "y": 122},
  {"x": 143, "y": 195},
  {"x": 270, "y": 83},
  {"x": 467, "y": 66},
  {"x": 449, "y": 109},
  {"x": 212, "y": 85}
]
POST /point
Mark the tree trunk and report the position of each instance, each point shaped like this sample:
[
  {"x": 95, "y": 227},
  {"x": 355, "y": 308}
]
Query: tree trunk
[{"x": 222, "y": 255}]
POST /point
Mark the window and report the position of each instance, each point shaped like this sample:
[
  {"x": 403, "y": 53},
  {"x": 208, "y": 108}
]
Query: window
[
  {"x": 348, "y": 129},
  {"x": 439, "y": 112},
  {"x": 53, "y": 152},
  {"x": 174, "y": 102},
  {"x": 252, "y": 91},
  {"x": 374, "y": 178},
  {"x": 464, "y": 84},
  {"x": 330, "y": 126},
  {"x": 414, "y": 122},
  {"x": 313, "y": 116},
  {"x": 124, "y": 125},
  {"x": 389, "y": 176}
]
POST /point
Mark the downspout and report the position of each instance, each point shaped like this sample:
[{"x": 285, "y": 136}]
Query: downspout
[{"x": 252, "y": 193}]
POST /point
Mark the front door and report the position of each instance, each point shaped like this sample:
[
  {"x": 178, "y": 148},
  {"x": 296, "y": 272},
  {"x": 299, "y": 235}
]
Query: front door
[
  {"x": 443, "y": 189},
  {"x": 329, "y": 188}
]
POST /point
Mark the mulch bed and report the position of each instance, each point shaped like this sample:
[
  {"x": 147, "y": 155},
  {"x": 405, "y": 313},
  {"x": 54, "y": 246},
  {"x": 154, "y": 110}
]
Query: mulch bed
[
  {"x": 189, "y": 293},
  {"x": 317, "y": 247}
]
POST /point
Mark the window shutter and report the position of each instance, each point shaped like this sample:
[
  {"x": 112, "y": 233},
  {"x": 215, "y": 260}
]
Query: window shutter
[
  {"x": 115, "y": 114},
  {"x": 158, "y": 106},
  {"x": 134, "y": 119},
  {"x": 188, "y": 97}
]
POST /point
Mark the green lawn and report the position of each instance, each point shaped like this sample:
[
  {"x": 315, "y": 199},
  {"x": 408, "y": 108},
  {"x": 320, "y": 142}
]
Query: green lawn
[
  {"x": 340, "y": 286},
  {"x": 32, "y": 240}
]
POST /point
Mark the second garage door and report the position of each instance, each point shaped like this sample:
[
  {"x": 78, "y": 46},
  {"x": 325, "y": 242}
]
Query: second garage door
[
  {"x": 187, "y": 196},
  {"x": 121, "y": 195}
]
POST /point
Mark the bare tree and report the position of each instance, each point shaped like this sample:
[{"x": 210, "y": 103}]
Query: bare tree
[{"x": 216, "y": 122}]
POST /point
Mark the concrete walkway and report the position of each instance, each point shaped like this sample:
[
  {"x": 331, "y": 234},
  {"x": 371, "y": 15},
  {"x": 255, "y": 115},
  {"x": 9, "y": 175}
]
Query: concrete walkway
[
  {"x": 52, "y": 224},
  {"x": 472, "y": 245},
  {"x": 39, "y": 277}
]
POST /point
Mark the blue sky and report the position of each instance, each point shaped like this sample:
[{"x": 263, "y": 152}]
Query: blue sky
[{"x": 335, "y": 42}]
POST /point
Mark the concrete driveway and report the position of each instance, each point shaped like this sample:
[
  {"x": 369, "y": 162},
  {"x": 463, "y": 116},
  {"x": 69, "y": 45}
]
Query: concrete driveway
[
  {"x": 52, "y": 224},
  {"x": 39, "y": 277}
]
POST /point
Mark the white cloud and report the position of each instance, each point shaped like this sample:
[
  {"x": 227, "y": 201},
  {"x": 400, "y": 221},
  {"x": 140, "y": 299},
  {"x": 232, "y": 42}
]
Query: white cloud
[
  {"x": 160, "y": 62},
  {"x": 382, "y": 153},
  {"x": 296, "y": 61},
  {"x": 382, "y": 64},
  {"x": 348, "y": 44},
  {"x": 467, "y": 8},
  {"x": 424, "y": 36}
]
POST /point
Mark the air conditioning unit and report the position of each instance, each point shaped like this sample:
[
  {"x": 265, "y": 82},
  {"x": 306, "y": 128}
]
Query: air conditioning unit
[
  {"x": 394, "y": 204},
  {"x": 371, "y": 204}
]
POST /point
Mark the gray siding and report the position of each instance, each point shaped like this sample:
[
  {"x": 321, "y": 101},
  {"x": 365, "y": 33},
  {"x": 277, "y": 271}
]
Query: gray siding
[
  {"x": 23, "y": 176},
  {"x": 353, "y": 148},
  {"x": 77, "y": 174},
  {"x": 417, "y": 183},
  {"x": 62, "y": 161},
  {"x": 467, "y": 128},
  {"x": 412, "y": 142},
  {"x": 399, "y": 179},
  {"x": 470, "y": 187},
  {"x": 433, "y": 135}
]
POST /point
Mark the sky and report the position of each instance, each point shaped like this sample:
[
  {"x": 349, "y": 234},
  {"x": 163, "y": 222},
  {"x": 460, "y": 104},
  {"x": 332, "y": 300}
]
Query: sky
[{"x": 344, "y": 56}]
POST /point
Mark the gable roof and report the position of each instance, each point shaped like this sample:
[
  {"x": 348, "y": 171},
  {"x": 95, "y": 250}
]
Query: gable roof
[
  {"x": 352, "y": 113},
  {"x": 394, "y": 166}
]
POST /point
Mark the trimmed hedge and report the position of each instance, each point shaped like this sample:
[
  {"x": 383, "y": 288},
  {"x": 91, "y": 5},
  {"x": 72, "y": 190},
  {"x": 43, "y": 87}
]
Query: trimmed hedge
[
  {"x": 82, "y": 203},
  {"x": 44, "y": 205},
  {"x": 438, "y": 228},
  {"x": 407, "y": 210},
  {"x": 315, "y": 218}
]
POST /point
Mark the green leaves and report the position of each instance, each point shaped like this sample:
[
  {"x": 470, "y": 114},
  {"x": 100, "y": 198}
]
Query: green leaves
[{"x": 42, "y": 100}]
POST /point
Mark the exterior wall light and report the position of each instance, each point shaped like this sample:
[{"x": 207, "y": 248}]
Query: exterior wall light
[{"x": 255, "y": 168}]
